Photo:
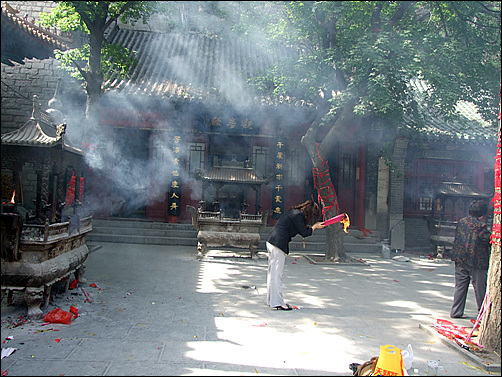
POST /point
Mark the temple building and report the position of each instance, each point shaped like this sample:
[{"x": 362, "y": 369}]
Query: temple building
[{"x": 186, "y": 128}]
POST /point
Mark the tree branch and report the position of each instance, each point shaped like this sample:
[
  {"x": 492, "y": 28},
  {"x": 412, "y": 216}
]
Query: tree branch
[
  {"x": 330, "y": 41},
  {"x": 465, "y": 19},
  {"x": 82, "y": 72},
  {"x": 126, "y": 6},
  {"x": 80, "y": 8},
  {"x": 486, "y": 8},
  {"x": 403, "y": 6},
  {"x": 442, "y": 19},
  {"x": 341, "y": 124},
  {"x": 376, "y": 26}
]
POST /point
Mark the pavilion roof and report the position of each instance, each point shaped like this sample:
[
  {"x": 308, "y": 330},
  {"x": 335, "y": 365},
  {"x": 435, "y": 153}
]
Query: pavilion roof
[
  {"x": 232, "y": 174},
  {"x": 459, "y": 189},
  {"x": 39, "y": 131},
  {"x": 193, "y": 66}
]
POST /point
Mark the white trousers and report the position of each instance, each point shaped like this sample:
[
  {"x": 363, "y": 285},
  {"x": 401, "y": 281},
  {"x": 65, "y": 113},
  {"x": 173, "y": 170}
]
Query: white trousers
[{"x": 276, "y": 259}]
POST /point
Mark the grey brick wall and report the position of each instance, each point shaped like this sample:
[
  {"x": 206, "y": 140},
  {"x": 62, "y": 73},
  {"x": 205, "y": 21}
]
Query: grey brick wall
[
  {"x": 36, "y": 77},
  {"x": 397, "y": 225},
  {"x": 21, "y": 82},
  {"x": 32, "y": 8}
]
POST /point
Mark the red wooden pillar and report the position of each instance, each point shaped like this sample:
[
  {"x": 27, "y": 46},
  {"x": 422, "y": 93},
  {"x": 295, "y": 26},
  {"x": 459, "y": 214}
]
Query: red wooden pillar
[{"x": 362, "y": 173}]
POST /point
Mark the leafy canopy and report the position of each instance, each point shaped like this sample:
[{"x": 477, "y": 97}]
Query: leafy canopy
[
  {"x": 84, "y": 18},
  {"x": 370, "y": 50}
]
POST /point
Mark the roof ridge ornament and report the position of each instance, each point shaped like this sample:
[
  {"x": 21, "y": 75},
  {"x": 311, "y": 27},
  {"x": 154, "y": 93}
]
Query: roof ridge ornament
[
  {"x": 36, "y": 107},
  {"x": 60, "y": 130},
  {"x": 9, "y": 8},
  {"x": 55, "y": 102},
  {"x": 54, "y": 112},
  {"x": 60, "y": 41}
]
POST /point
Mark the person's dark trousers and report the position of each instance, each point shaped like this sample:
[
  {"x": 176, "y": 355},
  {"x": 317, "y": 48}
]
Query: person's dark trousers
[{"x": 463, "y": 276}]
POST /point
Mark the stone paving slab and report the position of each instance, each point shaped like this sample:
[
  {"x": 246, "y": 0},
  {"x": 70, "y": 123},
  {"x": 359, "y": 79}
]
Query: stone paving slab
[{"x": 159, "y": 310}]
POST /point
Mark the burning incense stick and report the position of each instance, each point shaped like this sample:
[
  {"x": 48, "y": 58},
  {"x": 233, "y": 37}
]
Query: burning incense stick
[{"x": 341, "y": 218}]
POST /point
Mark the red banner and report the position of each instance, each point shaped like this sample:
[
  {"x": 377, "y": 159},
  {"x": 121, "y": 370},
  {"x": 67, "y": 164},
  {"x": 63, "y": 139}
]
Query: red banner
[
  {"x": 70, "y": 192},
  {"x": 81, "y": 191}
]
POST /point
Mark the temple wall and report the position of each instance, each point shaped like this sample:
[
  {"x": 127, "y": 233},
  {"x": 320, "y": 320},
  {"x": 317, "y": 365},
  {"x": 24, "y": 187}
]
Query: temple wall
[{"x": 36, "y": 77}]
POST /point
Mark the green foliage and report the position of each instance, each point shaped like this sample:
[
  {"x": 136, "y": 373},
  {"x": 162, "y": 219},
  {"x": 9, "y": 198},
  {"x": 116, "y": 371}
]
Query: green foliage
[
  {"x": 93, "y": 18},
  {"x": 71, "y": 58},
  {"x": 116, "y": 60},
  {"x": 369, "y": 50},
  {"x": 65, "y": 17}
]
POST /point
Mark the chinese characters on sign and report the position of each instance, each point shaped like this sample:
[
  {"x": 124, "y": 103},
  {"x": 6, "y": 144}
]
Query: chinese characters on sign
[
  {"x": 174, "y": 193},
  {"x": 120, "y": 117},
  {"x": 232, "y": 124},
  {"x": 279, "y": 181}
]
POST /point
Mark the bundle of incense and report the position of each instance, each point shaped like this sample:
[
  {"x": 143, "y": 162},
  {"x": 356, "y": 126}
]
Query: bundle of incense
[
  {"x": 343, "y": 218},
  {"x": 484, "y": 308}
]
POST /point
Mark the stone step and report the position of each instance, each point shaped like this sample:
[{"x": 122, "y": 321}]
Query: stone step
[
  {"x": 160, "y": 229},
  {"x": 161, "y": 233}
]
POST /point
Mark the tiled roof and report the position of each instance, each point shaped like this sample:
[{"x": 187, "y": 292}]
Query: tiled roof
[
  {"x": 452, "y": 189},
  {"x": 470, "y": 128},
  {"x": 232, "y": 174},
  {"x": 194, "y": 66},
  {"x": 23, "y": 39},
  {"x": 39, "y": 131}
]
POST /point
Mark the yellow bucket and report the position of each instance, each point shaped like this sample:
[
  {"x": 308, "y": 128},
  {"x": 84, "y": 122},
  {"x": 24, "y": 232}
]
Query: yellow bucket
[{"x": 390, "y": 362}]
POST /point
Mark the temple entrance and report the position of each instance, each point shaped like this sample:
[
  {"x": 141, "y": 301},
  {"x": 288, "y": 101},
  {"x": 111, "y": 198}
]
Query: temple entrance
[
  {"x": 346, "y": 175},
  {"x": 131, "y": 173},
  {"x": 231, "y": 199},
  {"x": 225, "y": 188},
  {"x": 227, "y": 150}
]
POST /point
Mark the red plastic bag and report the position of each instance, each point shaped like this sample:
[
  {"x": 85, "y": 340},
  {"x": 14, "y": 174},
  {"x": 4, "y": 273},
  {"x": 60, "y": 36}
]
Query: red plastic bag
[
  {"x": 73, "y": 284},
  {"x": 448, "y": 329},
  {"x": 58, "y": 316},
  {"x": 74, "y": 311}
]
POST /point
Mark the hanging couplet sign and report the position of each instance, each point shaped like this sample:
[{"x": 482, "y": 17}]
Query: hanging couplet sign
[
  {"x": 279, "y": 181},
  {"x": 174, "y": 192}
]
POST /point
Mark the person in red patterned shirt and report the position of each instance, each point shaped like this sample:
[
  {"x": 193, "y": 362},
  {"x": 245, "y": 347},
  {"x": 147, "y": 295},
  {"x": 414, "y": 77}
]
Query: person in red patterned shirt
[{"x": 471, "y": 254}]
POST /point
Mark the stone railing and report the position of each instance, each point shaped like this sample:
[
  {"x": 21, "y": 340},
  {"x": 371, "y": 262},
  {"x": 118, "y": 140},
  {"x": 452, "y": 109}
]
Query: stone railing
[
  {"x": 54, "y": 232},
  {"x": 208, "y": 215},
  {"x": 250, "y": 217}
]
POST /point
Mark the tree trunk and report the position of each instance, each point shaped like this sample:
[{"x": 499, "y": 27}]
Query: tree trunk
[
  {"x": 490, "y": 329},
  {"x": 322, "y": 179},
  {"x": 92, "y": 108},
  {"x": 335, "y": 249},
  {"x": 94, "y": 81}
]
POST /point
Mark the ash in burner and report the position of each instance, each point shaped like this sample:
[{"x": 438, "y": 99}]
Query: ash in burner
[{"x": 9, "y": 208}]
